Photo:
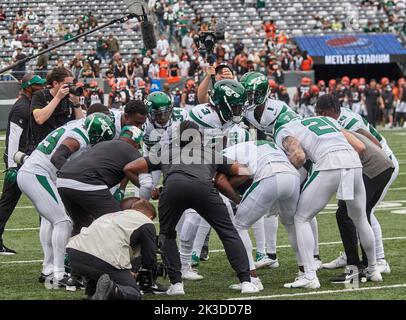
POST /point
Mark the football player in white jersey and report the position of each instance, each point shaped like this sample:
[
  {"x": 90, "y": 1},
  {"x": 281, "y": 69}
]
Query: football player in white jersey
[
  {"x": 37, "y": 177},
  {"x": 134, "y": 114},
  {"x": 217, "y": 121},
  {"x": 162, "y": 122},
  {"x": 336, "y": 169},
  {"x": 262, "y": 112},
  {"x": 352, "y": 121},
  {"x": 275, "y": 182}
]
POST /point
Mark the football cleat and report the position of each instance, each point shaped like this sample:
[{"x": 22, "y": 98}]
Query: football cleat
[
  {"x": 204, "y": 255},
  {"x": 303, "y": 282},
  {"x": 104, "y": 288},
  {"x": 74, "y": 283},
  {"x": 339, "y": 262},
  {"x": 383, "y": 266},
  {"x": 256, "y": 281},
  {"x": 43, "y": 277},
  {"x": 262, "y": 260},
  {"x": 249, "y": 287},
  {"x": 195, "y": 259},
  {"x": 4, "y": 251},
  {"x": 156, "y": 288},
  {"x": 318, "y": 264},
  {"x": 374, "y": 276},
  {"x": 175, "y": 289},
  {"x": 190, "y": 274}
]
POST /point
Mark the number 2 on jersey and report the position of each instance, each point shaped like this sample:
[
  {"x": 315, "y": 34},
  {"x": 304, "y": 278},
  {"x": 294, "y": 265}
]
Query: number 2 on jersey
[
  {"x": 48, "y": 145},
  {"x": 320, "y": 126}
]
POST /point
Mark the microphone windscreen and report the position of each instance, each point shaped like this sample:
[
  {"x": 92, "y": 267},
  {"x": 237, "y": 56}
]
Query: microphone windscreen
[
  {"x": 148, "y": 35},
  {"x": 220, "y": 26}
]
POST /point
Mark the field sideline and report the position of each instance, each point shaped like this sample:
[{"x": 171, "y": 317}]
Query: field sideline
[{"x": 19, "y": 273}]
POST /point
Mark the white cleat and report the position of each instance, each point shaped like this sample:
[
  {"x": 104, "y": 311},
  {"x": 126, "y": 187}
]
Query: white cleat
[
  {"x": 190, "y": 274},
  {"x": 340, "y": 262},
  {"x": 263, "y": 262},
  {"x": 256, "y": 281},
  {"x": 248, "y": 287},
  {"x": 383, "y": 266},
  {"x": 374, "y": 276},
  {"x": 303, "y": 282},
  {"x": 175, "y": 289},
  {"x": 318, "y": 264}
]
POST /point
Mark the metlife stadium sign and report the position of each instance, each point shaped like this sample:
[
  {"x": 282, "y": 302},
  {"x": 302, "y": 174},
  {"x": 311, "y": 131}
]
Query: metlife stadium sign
[
  {"x": 353, "y": 49},
  {"x": 358, "y": 59}
]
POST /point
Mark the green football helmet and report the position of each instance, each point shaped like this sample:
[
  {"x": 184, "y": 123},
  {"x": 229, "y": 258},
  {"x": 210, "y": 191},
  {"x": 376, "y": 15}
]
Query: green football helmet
[
  {"x": 229, "y": 98},
  {"x": 257, "y": 87},
  {"x": 133, "y": 133},
  {"x": 159, "y": 106},
  {"x": 285, "y": 118},
  {"x": 99, "y": 127}
]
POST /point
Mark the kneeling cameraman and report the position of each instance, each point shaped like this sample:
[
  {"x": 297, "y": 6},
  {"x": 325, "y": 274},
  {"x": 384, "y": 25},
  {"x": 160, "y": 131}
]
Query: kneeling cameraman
[{"x": 103, "y": 252}]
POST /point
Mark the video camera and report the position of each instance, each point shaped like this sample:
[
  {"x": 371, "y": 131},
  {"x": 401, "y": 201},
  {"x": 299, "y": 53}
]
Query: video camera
[
  {"x": 147, "y": 278},
  {"x": 206, "y": 40}
]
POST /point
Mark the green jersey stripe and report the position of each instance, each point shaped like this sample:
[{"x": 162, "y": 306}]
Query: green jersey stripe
[
  {"x": 44, "y": 182},
  {"x": 351, "y": 124},
  {"x": 78, "y": 131},
  {"x": 310, "y": 179},
  {"x": 253, "y": 186},
  {"x": 197, "y": 120}
]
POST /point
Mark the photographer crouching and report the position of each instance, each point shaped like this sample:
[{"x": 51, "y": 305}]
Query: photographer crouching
[
  {"x": 56, "y": 106},
  {"x": 103, "y": 252}
]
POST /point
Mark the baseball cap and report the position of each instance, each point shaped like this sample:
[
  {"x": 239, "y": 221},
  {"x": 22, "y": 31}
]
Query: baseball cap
[
  {"x": 34, "y": 80},
  {"x": 133, "y": 133},
  {"x": 222, "y": 66}
]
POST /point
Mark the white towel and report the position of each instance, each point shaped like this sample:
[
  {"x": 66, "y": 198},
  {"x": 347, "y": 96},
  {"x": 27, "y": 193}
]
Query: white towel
[{"x": 346, "y": 188}]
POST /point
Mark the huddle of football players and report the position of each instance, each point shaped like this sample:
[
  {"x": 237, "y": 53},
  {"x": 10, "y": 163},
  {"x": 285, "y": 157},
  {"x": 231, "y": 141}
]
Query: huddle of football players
[{"x": 303, "y": 154}]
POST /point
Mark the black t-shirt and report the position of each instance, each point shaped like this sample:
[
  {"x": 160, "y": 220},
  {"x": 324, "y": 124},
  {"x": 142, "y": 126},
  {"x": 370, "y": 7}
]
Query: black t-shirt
[
  {"x": 103, "y": 164},
  {"x": 63, "y": 114},
  {"x": 200, "y": 166},
  {"x": 18, "y": 119},
  {"x": 371, "y": 97}
]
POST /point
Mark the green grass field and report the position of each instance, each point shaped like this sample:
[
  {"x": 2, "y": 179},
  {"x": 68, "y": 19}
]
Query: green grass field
[{"x": 19, "y": 273}]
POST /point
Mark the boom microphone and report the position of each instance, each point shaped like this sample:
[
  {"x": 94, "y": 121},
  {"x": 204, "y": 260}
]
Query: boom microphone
[
  {"x": 147, "y": 28},
  {"x": 148, "y": 34}
]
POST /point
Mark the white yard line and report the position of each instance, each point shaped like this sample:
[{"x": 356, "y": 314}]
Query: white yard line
[
  {"x": 320, "y": 244},
  {"x": 22, "y": 262},
  {"x": 217, "y": 250},
  {"x": 395, "y": 286}
]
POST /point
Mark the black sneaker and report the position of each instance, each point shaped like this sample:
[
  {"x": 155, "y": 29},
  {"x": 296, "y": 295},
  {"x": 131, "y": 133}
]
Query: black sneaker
[
  {"x": 74, "y": 283},
  {"x": 349, "y": 276},
  {"x": 59, "y": 284},
  {"x": 156, "y": 288},
  {"x": 104, "y": 288},
  {"x": 204, "y": 254},
  {"x": 4, "y": 251}
]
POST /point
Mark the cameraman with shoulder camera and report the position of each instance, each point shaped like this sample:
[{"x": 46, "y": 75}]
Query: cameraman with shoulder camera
[
  {"x": 101, "y": 254},
  {"x": 54, "y": 107}
]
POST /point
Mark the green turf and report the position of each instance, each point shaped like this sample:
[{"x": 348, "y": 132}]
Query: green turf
[{"x": 19, "y": 281}]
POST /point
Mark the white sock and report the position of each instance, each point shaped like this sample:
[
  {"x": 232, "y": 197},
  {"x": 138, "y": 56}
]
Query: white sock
[
  {"x": 376, "y": 227},
  {"x": 245, "y": 237},
  {"x": 201, "y": 235},
  {"x": 271, "y": 227},
  {"x": 315, "y": 230},
  {"x": 305, "y": 242},
  {"x": 187, "y": 237},
  {"x": 259, "y": 234},
  {"x": 45, "y": 236},
  {"x": 60, "y": 236}
]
